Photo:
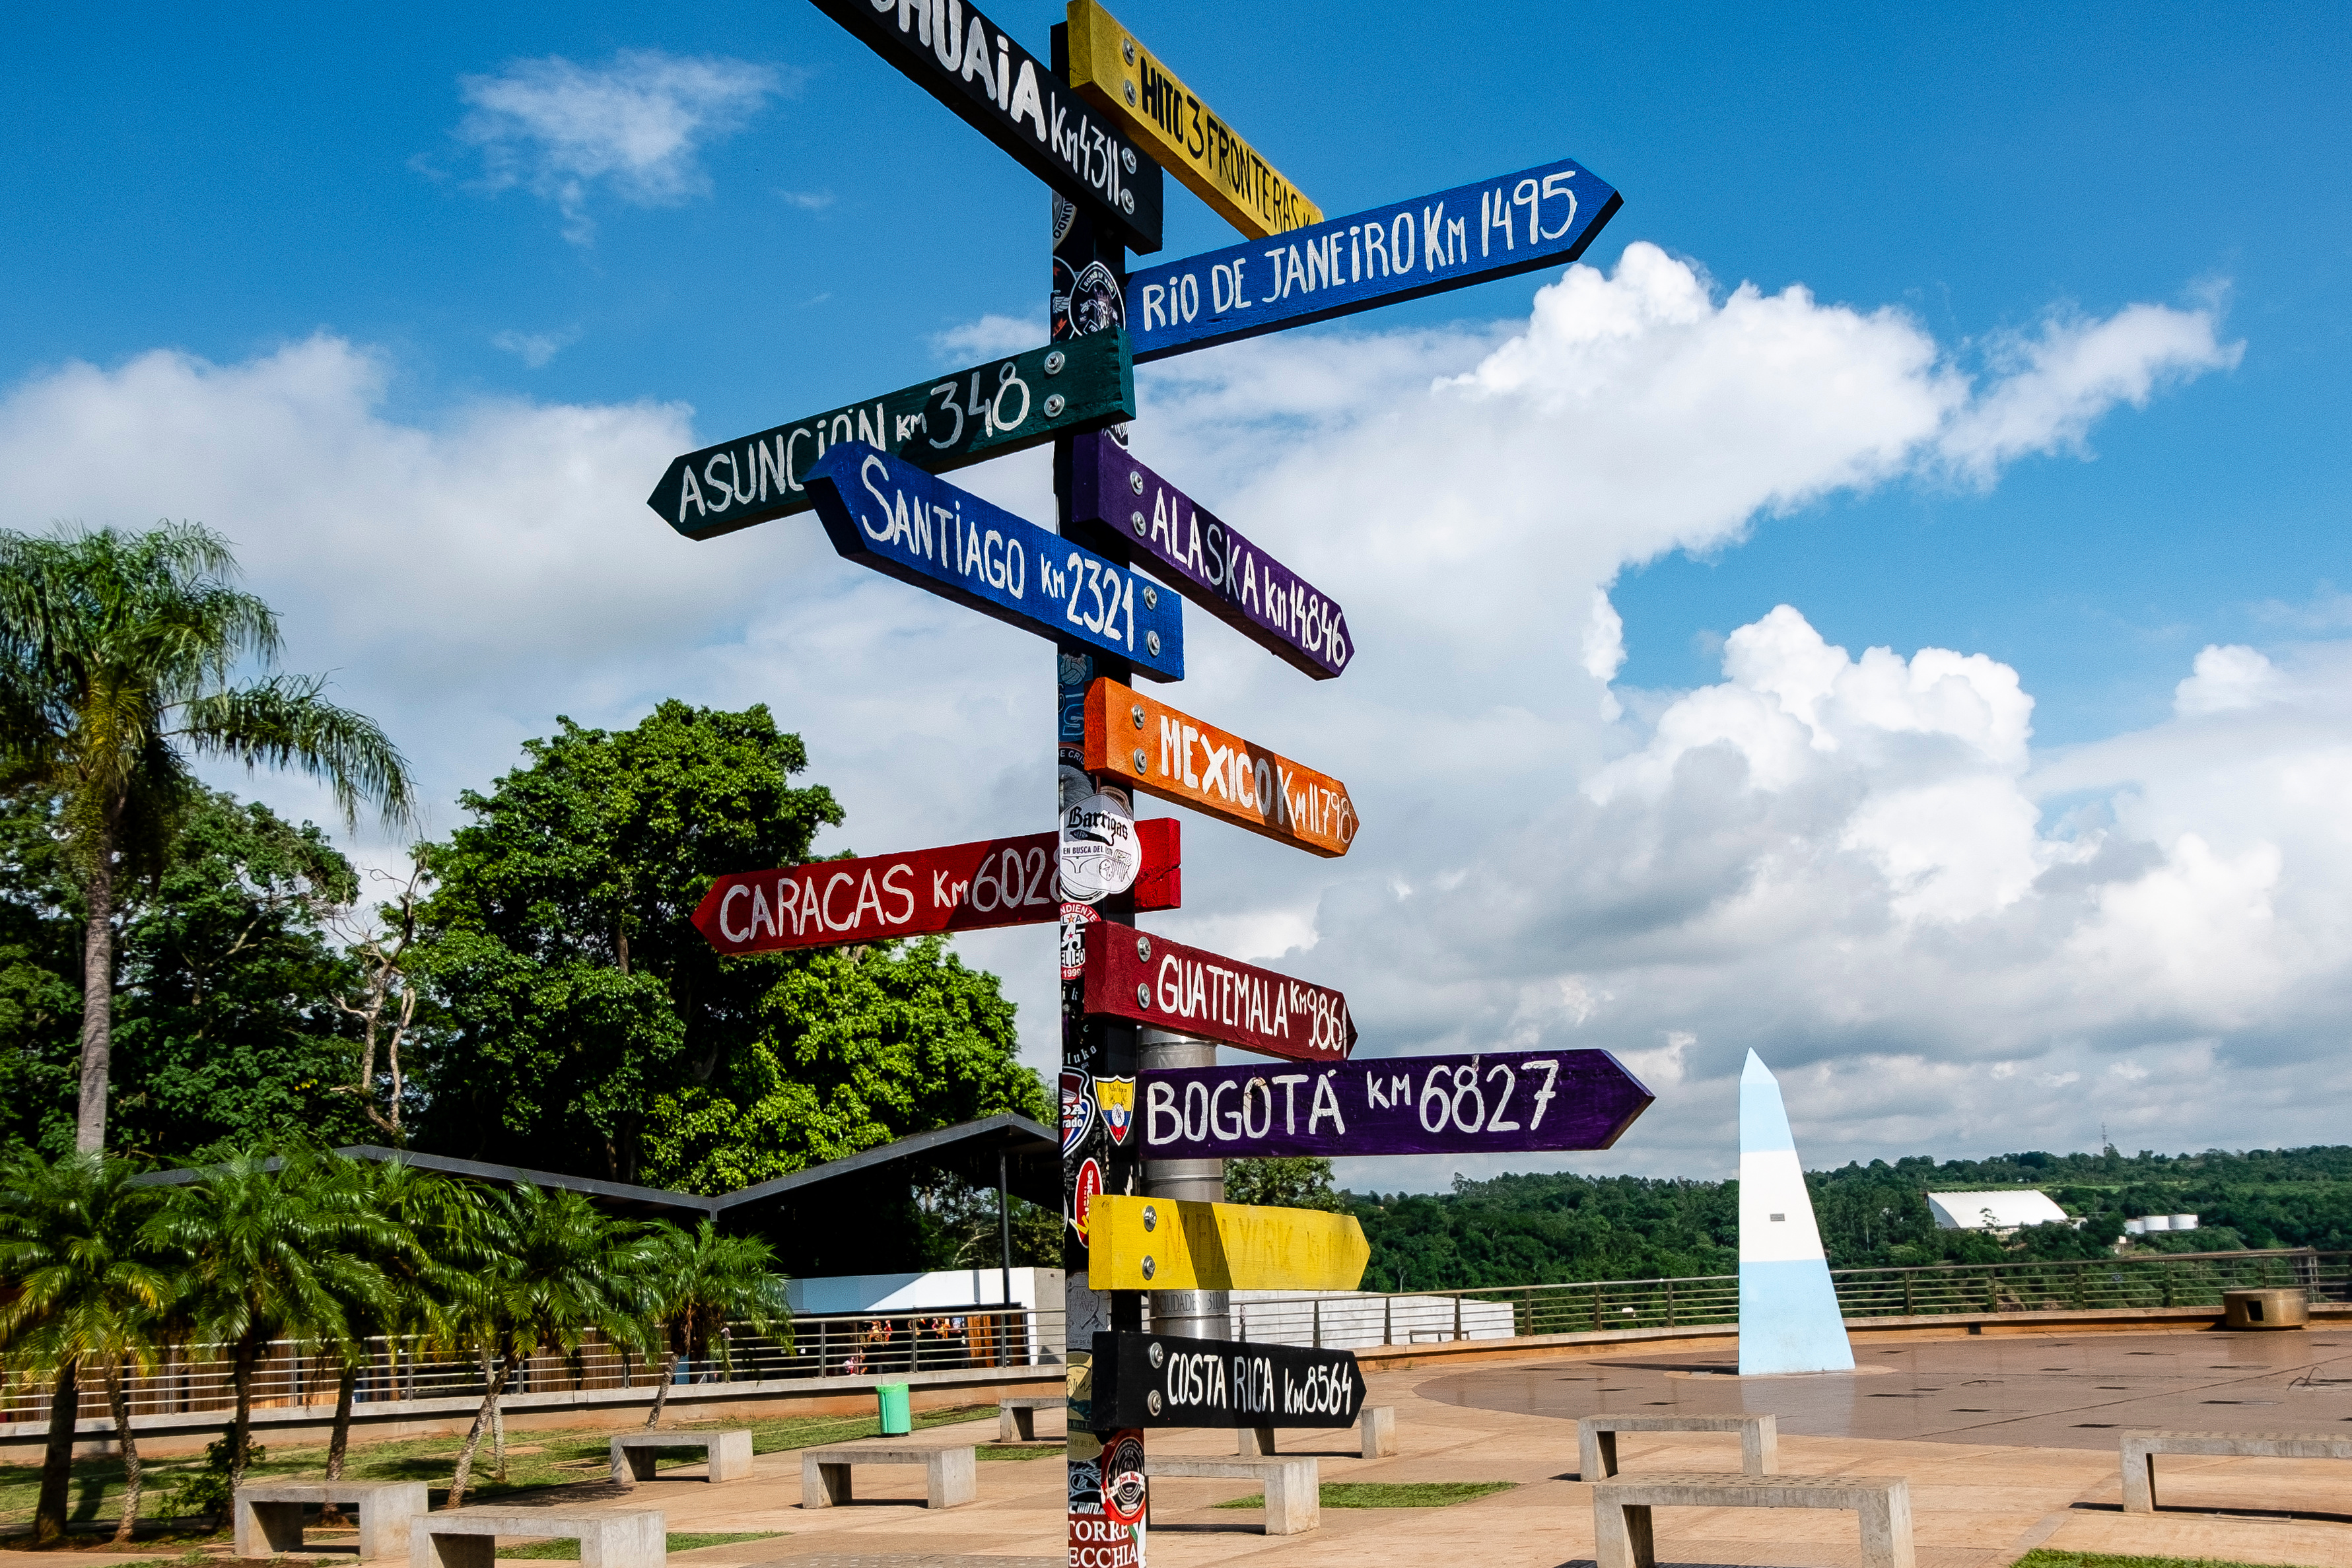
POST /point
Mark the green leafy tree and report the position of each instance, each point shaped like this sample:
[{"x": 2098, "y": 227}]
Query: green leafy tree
[
  {"x": 269, "y": 1250},
  {"x": 698, "y": 1282},
  {"x": 81, "y": 1293},
  {"x": 547, "y": 1269},
  {"x": 40, "y": 975},
  {"x": 117, "y": 654},
  {"x": 1283, "y": 1182}
]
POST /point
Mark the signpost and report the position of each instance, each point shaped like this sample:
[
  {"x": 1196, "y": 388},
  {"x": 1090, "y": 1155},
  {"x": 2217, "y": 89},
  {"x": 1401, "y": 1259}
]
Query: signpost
[
  {"x": 1542, "y": 217},
  {"x": 1153, "y": 980},
  {"x": 1016, "y": 101},
  {"x": 961, "y": 887},
  {"x": 1113, "y": 495},
  {"x": 1494, "y": 1102},
  {"x": 891, "y": 516},
  {"x": 1159, "y": 1380},
  {"x": 1127, "y": 82},
  {"x": 1160, "y": 1244},
  {"x": 945, "y": 422},
  {"x": 1164, "y": 752}
]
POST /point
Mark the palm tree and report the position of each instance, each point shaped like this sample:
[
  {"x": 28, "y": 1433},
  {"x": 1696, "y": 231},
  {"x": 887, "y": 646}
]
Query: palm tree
[
  {"x": 116, "y": 657},
  {"x": 265, "y": 1249},
  {"x": 547, "y": 1269},
  {"x": 81, "y": 1293},
  {"x": 696, "y": 1282}
]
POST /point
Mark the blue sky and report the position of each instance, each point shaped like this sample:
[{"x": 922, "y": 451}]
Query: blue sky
[{"x": 468, "y": 280}]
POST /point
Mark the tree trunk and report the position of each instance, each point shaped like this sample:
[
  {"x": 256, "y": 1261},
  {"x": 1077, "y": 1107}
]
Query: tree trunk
[
  {"x": 118, "y": 1403},
  {"x": 482, "y": 1419},
  {"x": 661, "y": 1395},
  {"x": 97, "y": 995},
  {"x": 339, "y": 1444},
  {"x": 240, "y": 1429},
  {"x": 57, "y": 1459}
]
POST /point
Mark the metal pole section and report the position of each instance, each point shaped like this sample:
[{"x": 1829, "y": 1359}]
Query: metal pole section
[
  {"x": 1193, "y": 1314},
  {"x": 1004, "y": 1240}
]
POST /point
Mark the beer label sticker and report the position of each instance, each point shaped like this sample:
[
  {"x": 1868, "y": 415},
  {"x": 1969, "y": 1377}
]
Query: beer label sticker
[{"x": 1100, "y": 853}]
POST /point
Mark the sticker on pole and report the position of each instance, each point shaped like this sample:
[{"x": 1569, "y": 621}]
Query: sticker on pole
[
  {"x": 1100, "y": 856},
  {"x": 1123, "y": 1488},
  {"x": 1075, "y": 918}
]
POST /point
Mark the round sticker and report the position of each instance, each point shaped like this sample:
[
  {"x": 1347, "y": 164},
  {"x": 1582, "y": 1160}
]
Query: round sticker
[
  {"x": 1100, "y": 853},
  {"x": 1122, "y": 1477},
  {"x": 1085, "y": 1190}
]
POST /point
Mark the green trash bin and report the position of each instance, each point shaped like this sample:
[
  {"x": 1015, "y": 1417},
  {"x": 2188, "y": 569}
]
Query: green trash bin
[{"x": 897, "y": 1416}]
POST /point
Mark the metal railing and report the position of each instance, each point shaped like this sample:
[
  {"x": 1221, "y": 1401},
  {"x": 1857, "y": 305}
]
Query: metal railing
[{"x": 190, "y": 1380}]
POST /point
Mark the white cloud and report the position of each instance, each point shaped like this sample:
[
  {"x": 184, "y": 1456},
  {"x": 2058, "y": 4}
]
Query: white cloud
[
  {"x": 807, "y": 200},
  {"x": 1841, "y": 859},
  {"x": 634, "y": 127},
  {"x": 534, "y": 349},
  {"x": 2223, "y": 678},
  {"x": 989, "y": 336}
]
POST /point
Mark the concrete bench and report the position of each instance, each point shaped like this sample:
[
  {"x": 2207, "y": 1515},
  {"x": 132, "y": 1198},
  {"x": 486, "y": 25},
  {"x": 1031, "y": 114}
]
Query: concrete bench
[
  {"x": 1623, "y": 1537},
  {"x": 1596, "y": 1439},
  {"x": 1376, "y": 1426},
  {"x": 269, "y": 1514},
  {"x": 1016, "y": 1419},
  {"x": 949, "y": 1477},
  {"x": 2141, "y": 1447},
  {"x": 1293, "y": 1489},
  {"x": 468, "y": 1537},
  {"x": 729, "y": 1451}
]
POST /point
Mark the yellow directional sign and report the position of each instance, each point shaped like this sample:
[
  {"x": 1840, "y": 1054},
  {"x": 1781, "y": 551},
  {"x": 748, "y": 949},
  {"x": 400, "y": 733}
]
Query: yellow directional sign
[
  {"x": 1110, "y": 65},
  {"x": 1160, "y": 1244}
]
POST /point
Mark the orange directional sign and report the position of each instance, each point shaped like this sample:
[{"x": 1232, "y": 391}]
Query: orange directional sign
[{"x": 1176, "y": 757}]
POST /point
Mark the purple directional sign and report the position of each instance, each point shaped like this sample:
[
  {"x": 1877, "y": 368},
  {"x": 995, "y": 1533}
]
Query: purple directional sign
[
  {"x": 1232, "y": 579},
  {"x": 1495, "y": 1103}
]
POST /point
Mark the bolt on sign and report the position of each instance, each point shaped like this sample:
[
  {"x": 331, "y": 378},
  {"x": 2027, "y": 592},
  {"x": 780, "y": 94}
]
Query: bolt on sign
[
  {"x": 1498, "y": 1102},
  {"x": 1178, "y": 758},
  {"x": 951, "y": 422},
  {"x": 1135, "y": 89},
  {"x": 1114, "y": 496},
  {"x": 961, "y": 887},
  {"x": 1161, "y": 1244},
  {"x": 1016, "y": 101},
  {"x": 1160, "y": 1380},
  {"x": 904, "y": 523},
  {"x": 1131, "y": 973},
  {"x": 1542, "y": 217}
]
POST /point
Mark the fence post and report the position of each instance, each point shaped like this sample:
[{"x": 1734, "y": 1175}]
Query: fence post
[
  {"x": 1388, "y": 1318},
  {"x": 1907, "y": 1309},
  {"x": 1316, "y": 1307},
  {"x": 1670, "y": 1303},
  {"x": 1458, "y": 1315},
  {"x": 1596, "y": 1306}
]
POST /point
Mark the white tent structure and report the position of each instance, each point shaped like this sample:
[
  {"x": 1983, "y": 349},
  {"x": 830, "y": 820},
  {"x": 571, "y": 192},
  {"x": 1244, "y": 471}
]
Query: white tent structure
[{"x": 2000, "y": 1212}]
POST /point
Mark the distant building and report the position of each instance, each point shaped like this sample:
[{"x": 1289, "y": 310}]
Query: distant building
[{"x": 1998, "y": 1212}]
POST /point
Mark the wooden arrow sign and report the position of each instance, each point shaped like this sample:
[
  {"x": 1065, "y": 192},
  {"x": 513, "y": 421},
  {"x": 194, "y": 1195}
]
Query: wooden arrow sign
[
  {"x": 904, "y": 523},
  {"x": 1016, "y": 101},
  {"x": 962, "y": 887},
  {"x": 1160, "y": 1244},
  {"x": 1132, "y": 974},
  {"x": 1112, "y": 496},
  {"x": 1176, "y": 757},
  {"x": 1542, "y": 217},
  {"x": 1160, "y": 1380},
  {"x": 1136, "y": 89},
  {"x": 947, "y": 422},
  {"x": 1496, "y": 1103}
]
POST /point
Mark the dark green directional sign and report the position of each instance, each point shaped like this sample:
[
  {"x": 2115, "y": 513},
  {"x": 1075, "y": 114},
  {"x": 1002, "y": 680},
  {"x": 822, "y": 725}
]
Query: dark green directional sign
[{"x": 946, "y": 422}]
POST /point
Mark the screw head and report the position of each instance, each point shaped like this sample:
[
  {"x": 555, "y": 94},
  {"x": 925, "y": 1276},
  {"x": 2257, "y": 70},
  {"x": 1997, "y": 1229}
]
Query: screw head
[
  {"x": 1131, "y": 95},
  {"x": 1126, "y": 198},
  {"x": 1135, "y": 480},
  {"x": 1054, "y": 405},
  {"x": 1158, "y": 1354},
  {"x": 1136, "y": 518},
  {"x": 1135, "y": 712},
  {"x": 1143, "y": 946},
  {"x": 1146, "y": 1268},
  {"x": 1151, "y": 1218},
  {"x": 1143, "y": 996},
  {"x": 1151, "y": 641},
  {"x": 1152, "y": 598},
  {"x": 1151, "y": 1400},
  {"x": 1126, "y": 156},
  {"x": 1142, "y": 763},
  {"x": 1055, "y": 362},
  {"x": 1127, "y": 53}
]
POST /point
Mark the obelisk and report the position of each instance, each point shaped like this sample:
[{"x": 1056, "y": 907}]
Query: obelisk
[{"x": 1788, "y": 1318}]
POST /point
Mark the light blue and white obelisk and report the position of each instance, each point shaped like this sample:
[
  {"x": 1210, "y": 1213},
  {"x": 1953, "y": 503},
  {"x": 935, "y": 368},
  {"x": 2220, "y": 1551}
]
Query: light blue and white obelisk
[{"x": 1788, "y": 1318}]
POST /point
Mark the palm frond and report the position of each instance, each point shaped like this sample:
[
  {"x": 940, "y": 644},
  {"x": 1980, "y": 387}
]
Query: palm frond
[{"x": 286, "y": 722}]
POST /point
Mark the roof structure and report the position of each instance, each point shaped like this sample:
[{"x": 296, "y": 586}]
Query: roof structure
[{"x": 2007, "y": 1210}]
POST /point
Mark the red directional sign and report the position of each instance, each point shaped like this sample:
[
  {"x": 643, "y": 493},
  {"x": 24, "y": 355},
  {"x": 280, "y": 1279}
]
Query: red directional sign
[
  {"x": 963, "y": 887},
  {"x": 1132, "y": 974}
]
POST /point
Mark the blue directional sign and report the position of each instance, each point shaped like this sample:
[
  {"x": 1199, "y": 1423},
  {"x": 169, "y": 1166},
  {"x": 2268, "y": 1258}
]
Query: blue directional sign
[
  {"x": 917, "y": 527},
  {"x": 1542, "y": 217}
]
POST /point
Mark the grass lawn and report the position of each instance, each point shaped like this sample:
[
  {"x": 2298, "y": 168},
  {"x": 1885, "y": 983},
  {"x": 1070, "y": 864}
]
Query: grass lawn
[
  {"x": 535, "y": 1457},
  {"x": 2041, "y": 1558},
  {"x": 680, "y": 1540},
  {"x": 1399, "y": 1494}
]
